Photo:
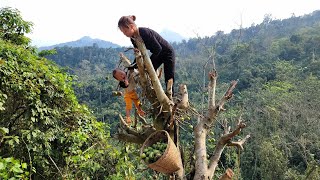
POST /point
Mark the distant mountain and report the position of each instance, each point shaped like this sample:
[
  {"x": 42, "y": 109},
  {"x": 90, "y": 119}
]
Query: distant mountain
[
  {"x": 88, "y": 41},
  {"x": 172, "y": 36},
  {"x": 84, "y": 41}
]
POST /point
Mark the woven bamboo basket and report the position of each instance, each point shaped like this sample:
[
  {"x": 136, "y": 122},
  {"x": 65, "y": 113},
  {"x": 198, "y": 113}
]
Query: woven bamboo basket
[{"x": 170, "y": 160}]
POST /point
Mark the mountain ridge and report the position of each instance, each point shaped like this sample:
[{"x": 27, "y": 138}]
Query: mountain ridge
[
  {"x": 167, "y": 34},
  {"x": 84, "y": 41}
]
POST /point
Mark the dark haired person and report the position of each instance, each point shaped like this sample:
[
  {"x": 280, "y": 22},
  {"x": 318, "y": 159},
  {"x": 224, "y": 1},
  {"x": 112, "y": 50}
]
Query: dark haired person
[{"x": 162, "y": 51}]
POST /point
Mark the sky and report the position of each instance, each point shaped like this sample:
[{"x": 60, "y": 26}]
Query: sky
[{"x": 59, "y": 21}]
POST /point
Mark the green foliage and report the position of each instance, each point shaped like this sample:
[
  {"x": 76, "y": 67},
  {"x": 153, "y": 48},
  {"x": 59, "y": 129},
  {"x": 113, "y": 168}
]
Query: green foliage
[
  {"x": 47, "y": 52},
  {"x": 44, "y": 123},
  {"x": 11, "y": 168},
  {"x": 273, "y": 161},
  {"x": 127, "y": 161},
  {"x": 280, "y": 116},
  {"x": 88, "y": 152},
  {"x": 13, "y": 27},
  {"x": 92, "y": 67}
]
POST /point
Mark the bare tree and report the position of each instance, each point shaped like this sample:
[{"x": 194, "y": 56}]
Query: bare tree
[{"x": 165, "y": 111}]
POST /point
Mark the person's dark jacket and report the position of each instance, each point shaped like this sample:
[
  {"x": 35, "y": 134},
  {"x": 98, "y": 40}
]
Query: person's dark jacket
[{"x": 157, "y": 45}]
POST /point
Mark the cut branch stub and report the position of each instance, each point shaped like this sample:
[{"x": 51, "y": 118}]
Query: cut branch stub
[
  {"x": 184, "y": 102},
  {"x": 212, "y": 74}
]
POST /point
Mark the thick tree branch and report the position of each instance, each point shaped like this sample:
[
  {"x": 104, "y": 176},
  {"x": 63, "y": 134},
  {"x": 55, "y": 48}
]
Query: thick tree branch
[
  {"x": 147, "y": 90},
  {"x": 201, "y": 165},
  {"x": 125, "y": 127},
  {"x": 161, "y": 96},
  {"x": 223, "y": 141},
  {"x": 142, "y": 74},
  {"x": 240, "y": 126},
  {"x": 129, "y": 138},
  {"x": 161, "y": 121},
  {"x": 219, "y": 107},
  {"x": 128, "y": 134},
  {"x": 212, "y": 88},
  {"x": 227, "y": 96}
]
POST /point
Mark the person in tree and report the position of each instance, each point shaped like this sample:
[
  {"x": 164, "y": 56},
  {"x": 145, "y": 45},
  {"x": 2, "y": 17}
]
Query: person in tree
[
  {"x": 127, "y": 80},
  {"x": 162, "y": 51}
]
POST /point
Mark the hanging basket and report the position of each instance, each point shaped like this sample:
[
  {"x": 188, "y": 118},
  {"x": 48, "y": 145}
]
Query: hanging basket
[{"x": 170, "y": 160}]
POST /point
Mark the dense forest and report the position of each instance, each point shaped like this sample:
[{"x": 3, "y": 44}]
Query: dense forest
[{"x": 58, "y": 115}]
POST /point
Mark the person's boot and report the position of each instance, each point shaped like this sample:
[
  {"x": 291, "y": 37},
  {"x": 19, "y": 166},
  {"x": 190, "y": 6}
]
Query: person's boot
[{"x": 169, "y": 90}]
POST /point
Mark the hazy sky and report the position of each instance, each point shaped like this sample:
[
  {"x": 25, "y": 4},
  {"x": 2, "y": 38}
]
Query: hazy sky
[{"x": 57, "y": 21}]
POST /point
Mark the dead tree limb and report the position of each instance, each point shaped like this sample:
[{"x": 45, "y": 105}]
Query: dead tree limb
[
  {"x": 203, "y": 170},
  {"x": 227, "y": 96},
  {"x": 128, "y": 134},
  {"x": 212, "y": 88},
  {"x": 222, "y": 143}
]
